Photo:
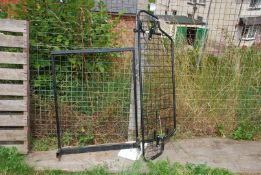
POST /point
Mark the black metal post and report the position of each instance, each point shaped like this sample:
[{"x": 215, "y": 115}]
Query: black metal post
[
  {"x": 56, "y": 107},
  {"x": 173, "y": 84}
]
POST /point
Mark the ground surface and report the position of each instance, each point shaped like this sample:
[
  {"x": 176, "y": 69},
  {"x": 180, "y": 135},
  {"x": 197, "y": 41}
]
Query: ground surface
[{"x": 236, "y": 156}]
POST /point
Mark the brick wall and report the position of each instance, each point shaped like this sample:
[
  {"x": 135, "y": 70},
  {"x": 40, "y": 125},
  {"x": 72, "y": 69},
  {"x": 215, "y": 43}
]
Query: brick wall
[
  {"x": 125, "y": 27},
  {"x": 6, "y": 2}
]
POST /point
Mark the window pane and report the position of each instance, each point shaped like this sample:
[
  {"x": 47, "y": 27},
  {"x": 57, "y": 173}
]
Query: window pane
[{"x": 252, "y": 32}]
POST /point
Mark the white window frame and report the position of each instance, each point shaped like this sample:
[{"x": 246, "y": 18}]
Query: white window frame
[
  {"x": 200, "y": 2},
  {"x": 249, "y": 32}
]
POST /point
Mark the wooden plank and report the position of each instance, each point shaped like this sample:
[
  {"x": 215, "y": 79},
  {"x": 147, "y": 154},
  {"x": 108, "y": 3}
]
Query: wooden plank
[
  {"x": 12, "y": 74},
  {"x": 21, "y": 148},
  {"x": 9, "y": 25},
  {"x": 13, "y": 105},
  {"x": 13, "y": 120},
  {"x": 12, "y": 58},
  {"x": 13, "y": 135},
  {"x": 13, "y": 90},
  {"x": 11, "y": 41}
]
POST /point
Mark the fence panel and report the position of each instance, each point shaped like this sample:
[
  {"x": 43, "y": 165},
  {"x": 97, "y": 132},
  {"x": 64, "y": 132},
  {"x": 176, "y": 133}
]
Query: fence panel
[{"x": 14, "y": 84}]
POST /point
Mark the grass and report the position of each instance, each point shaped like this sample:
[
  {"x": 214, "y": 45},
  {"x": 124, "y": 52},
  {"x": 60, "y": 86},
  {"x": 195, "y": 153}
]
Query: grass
[
  {"x": 220, "y": 97},
  {"x": 44, "y": 144},
  {"x": 12, "y": 163}
]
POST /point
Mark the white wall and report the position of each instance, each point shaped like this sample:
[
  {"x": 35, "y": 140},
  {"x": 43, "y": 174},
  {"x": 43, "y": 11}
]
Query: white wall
[{"x": 223, "y": 17}]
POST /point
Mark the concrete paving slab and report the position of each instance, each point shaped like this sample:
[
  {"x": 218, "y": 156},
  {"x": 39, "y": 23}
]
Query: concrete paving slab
[
  {"x": 78, "y": 162},
  {"x": 237, "y": 156}
]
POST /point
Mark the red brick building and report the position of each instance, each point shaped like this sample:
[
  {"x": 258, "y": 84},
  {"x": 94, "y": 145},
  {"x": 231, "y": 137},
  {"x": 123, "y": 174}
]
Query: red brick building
[
  {"x": 126, "y": 24},
  {"x": 6, "y": 2}
]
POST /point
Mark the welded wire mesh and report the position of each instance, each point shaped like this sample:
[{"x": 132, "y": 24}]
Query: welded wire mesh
[
  {"x": 156, "y": 68},
  {"x": 94, "y": 92},
  {"x": 157, "y": 85},
  {"x": 217, "y": 58},
  {"x": 218, "y": 82},
  {"x": 70, "y": 25}
]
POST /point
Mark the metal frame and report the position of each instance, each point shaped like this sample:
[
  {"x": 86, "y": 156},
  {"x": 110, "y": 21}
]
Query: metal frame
[
  {"x": 93, "y": 148},
  {"x": 160, "y": 141}
]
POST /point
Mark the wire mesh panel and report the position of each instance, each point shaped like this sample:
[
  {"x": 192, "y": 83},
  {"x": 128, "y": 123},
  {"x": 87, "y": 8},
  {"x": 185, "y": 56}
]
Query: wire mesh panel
[
  {"x": 217, "y": 57},
  {"x": 93, "y": 96},
  {"x": 157, "y": 84},
  {"x": 217, "y": 53}
]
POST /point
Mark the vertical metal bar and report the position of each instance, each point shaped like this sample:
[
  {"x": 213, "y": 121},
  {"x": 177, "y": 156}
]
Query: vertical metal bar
[
  {"x": 140, "y": 81},
  {"x": 173, "y": 83},
  {"x": 58, "y": 128},
  {"x": 135, "y": 94}
]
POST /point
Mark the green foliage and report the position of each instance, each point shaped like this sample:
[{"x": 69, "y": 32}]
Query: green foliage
[
  {"x": 67, "y": 138},
  {"x": 219, "y": 94},
  {"x": 3, "y": 12},
  {"x": 85, "y": 139},
  {"x": 162, "y": 168},
  {"x": 165, "y": 168},
  {"x": 221, "y": 130},
  {"x": 44, "y": 144},
  {"x": 64, "y": 26},
  {"x": 12, "y": 163},
  {"x": 243, "y": 132}
]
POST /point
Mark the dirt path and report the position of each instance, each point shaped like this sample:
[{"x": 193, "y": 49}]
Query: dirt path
[{"x": 244, "y": 157}]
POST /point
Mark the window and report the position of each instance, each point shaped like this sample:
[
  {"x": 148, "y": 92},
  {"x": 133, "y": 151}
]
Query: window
[
  {"x": 200, "y": 18},
  {"x": 190, "y": 15},
  {"x": 249, "y": 32},
  {"x": 255, "y": 3},
  {"x": 193, "y": 1},
  {"x": 174, "y": 12},
  {"x": 202, "y": 2}
]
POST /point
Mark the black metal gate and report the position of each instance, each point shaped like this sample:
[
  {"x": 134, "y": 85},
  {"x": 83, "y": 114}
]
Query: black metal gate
[
  {"x": 156, "y": 83},
  {"x": 94, "y": 90},
  {"x": 110, "y": 84}
]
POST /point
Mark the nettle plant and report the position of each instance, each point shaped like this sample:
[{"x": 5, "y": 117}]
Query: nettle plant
[
  {"x": 3, "y": 12},
  {"x": 65, "y": 25}
]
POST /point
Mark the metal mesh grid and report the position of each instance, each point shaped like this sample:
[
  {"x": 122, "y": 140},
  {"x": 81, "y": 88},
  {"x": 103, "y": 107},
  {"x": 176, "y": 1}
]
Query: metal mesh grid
[
  {"x": 71, "y": 33},
  {"x": 218, "y": 83},
  {"x": 217, "y": 49},
  {"x": 156, "y": 59},
  {"x": 94, "y": 92},
  {"x": 214, "y": 23},
  {"x": 157, "y": 84}
]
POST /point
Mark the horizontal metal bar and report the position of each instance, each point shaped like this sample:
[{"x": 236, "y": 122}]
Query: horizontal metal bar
[
  {"x": 96, "y": 148},
  {"x": 100, "y": 50},
  {"x": 166, "y": 137}
]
